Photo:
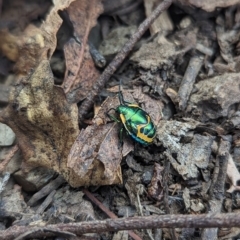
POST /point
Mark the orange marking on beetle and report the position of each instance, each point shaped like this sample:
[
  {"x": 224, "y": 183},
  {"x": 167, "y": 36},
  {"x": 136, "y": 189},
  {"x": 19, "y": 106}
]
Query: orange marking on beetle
[
  {"x": 133, "y": 105},
  {"x": 141, "y": 135},
  {"x": 124, "y": 122},
  {"x": 123, "y": 119}
]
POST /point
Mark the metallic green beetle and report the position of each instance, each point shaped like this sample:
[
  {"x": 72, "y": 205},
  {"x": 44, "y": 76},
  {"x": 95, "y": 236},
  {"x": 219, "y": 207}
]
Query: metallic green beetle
[{"x": 135, "y": 120}]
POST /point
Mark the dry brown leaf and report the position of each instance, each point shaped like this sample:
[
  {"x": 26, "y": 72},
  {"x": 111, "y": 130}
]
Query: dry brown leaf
[
  {"x": 95, "y": 157},
  {"x": 81, "y": 72},
  {"x": 30, "y": 47},
  {"x": 31, "y": 50},
  {"x": 52, "y": 23},
  {"x": 44, "y": 122},
  {"x": 155, "y": 189},
  {"x": 18, "y": 14}
]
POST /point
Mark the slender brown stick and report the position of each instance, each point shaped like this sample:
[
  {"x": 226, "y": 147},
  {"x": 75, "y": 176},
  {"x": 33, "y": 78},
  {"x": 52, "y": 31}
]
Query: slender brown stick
[
  {"x": 64, "y": 235},
  {"x": 165, "y": 221},
  {"x": 7, "y": 159},
  {"x": 217, "y": 196},
  {"x": 46, "y": 203},
  {"x": 118, "y": 59},
  {"x": 54, "y": 184},
  {"x": 166, "y": 196},
  {"x": 108, "y": 212},
  {"x": 188, "y": 80}
]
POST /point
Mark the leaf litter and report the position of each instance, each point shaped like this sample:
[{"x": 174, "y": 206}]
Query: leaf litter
[{"x": 195, "y": 141}]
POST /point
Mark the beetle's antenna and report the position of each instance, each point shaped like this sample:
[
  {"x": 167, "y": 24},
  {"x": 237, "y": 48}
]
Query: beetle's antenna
[{"x": 120, "y": 95}]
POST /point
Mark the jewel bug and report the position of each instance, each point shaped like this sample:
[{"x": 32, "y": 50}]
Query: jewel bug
[{"x": 135, "y": 120}]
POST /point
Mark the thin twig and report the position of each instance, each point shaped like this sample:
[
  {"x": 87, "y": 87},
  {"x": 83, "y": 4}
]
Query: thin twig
[
  {"x": 61, "y": 234},
  {"x": 46, "y": 190},
  {"x": 108, "y": 212},
  {"x": 188, "y": 80},
  {"x": 118, "y": 59},
  {"x": 215, "y": 203},
  {"x": 226, "y": 220},
  {"x": 46, "y": 202},
  {"x": 7, "y": 159},
  {"x": 166, "y": 196}
]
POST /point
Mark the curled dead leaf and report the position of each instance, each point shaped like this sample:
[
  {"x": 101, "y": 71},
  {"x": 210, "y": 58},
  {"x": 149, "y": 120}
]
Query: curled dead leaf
[
  {"x": 95, "y": 157},
  {"x": 45, "y": 124},
  {"x": 34, "y": 44},
  {"x": 81, "y": 72}
]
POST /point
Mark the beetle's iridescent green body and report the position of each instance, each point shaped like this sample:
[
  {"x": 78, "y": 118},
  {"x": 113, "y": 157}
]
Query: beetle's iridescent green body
[{"x": 136, "y": 121}]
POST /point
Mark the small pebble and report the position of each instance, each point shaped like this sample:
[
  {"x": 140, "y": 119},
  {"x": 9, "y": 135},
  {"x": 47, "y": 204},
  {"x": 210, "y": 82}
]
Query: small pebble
[{"x": 7, "y": 136}]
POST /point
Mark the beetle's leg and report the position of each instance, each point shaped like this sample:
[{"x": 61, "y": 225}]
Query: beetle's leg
[
  {"x": 107, "y": 113},
  {"x": 120, "y": 138},
  {"x": 111, "y": 116},
  {"x": 121, "y": 99}
]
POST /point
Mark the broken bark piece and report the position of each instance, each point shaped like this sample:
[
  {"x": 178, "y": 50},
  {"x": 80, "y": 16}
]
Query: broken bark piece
[
  {"x": 46, "y": 203},
  {"x": 4, "y": 92},
  {"x": 188, "y": 156},
  {"x": 156, "y": 54},
  {"x": 217, "y": 197},
  {"x": 214, "y": 96},
  {"x": 35, "y": 179},
  {"x": 209, "y": 6},
  {"x": 205, "y": 50},
  {"x": 66, "y": 203},
  {"x": 233, "y": 122},
  {"x": 227, "y": 41},
  {"x": 188, "y": 80},
  {"x": 13, "y": 202},
  {"x": 46, "y": 190}
]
